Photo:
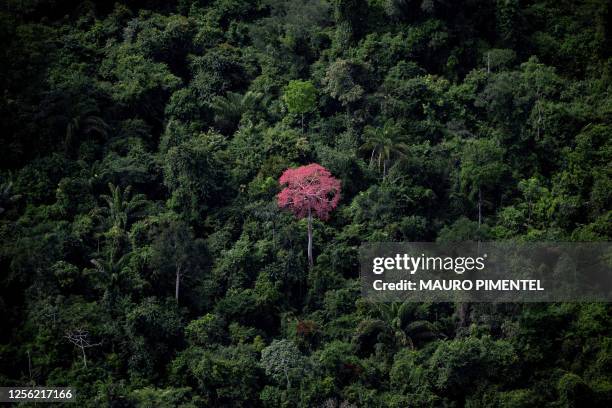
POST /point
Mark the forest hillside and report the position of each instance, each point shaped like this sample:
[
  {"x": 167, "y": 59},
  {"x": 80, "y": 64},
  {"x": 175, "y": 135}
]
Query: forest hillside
[{"x": 147, "y": 258}]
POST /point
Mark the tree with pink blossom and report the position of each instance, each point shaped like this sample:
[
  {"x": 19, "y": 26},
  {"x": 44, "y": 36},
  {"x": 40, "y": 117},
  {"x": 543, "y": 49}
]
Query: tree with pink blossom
[{"x": 309, "y": 191}]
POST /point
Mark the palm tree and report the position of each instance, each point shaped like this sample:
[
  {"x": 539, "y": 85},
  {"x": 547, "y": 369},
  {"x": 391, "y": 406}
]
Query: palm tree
[
  {"x": 120, "y": 207},
  {"x": 83, "y": 125},
  {"x": 385, "y": 144},
  {"x": 6, "y": 195},
  {"x": 230, "y": 108},
  {"x": 110, "y": 270},
  {"x": 397, "y": 315},
  {"x": 112, "y": 274}
]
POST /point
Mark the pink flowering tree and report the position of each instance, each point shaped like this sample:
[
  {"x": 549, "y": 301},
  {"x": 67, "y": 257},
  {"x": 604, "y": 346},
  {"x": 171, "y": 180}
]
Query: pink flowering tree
[{"x": 309, "y": 191}]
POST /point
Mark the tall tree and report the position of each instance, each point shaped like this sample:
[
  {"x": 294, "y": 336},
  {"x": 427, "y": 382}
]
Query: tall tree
[
  {"x": 120, "y": 206},
  {"x": 309, "y": 191},
  {"x": 282, "y": 360},
  {"x": 482, "y": 167},
  {"x": 339, "y": 82},
  {"x": 385, "y": 144},
  {"x": 301, "y": 98},
  {"x": 175, "y": 251}
]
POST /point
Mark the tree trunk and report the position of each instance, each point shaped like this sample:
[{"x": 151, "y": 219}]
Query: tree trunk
[
  {"x": 463, "y": 313},
  {"x": 29, "y": 366},
  {"x": 464, "y": 307},
  {"x": 84, "y": 357},
  {"x": 479, "y": 207},
  {"x": 529, "y": 205},
  {"x": 310, "y": 260},
  {"x": 539, "y": 116},
  {"x": 177, "y": 283},
  {"x": 302, "y": 123}
]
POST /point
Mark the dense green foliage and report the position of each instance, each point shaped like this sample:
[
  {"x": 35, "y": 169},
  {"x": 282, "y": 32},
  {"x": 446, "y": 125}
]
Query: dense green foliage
[{"x": 141, "y": 148}]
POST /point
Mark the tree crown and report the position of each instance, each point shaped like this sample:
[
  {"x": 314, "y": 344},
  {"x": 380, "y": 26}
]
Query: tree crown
[
  {"x": 309, "y": 188},
  {"x": 300, "y": 96}
]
